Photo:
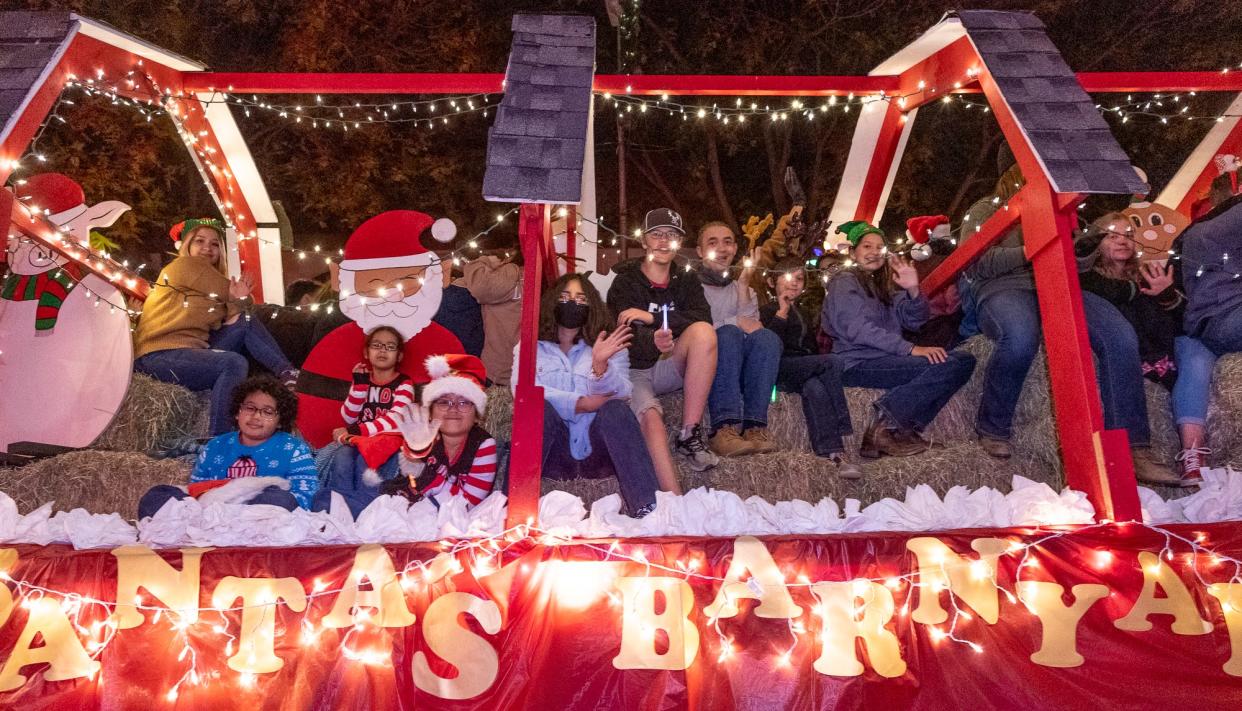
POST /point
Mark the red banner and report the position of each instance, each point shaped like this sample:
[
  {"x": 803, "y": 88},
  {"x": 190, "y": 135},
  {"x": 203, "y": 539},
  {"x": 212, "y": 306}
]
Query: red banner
[{"x": 1110, "y": 616}]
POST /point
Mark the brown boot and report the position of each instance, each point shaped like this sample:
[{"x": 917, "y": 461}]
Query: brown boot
[
  {"x": 728, "y": 442},
  {"x": 760, "y": 440},
  {"x": 1149, "y": 471},
  {"x": 995, "y": 447},
  {"x": 879, "y": 441}
]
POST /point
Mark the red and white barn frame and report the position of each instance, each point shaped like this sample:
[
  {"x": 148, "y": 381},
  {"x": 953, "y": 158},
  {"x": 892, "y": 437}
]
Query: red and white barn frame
[{"x": 942, "y": 61}]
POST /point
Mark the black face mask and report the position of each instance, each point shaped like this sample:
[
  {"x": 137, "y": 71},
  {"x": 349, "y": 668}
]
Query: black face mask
[
  {"x": 713, "y": 277},
  {"x": 571, "y": 314}
]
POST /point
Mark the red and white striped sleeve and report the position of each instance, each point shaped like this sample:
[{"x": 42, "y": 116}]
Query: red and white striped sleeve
[
  {"x": 352, "y": 407},
  {"x": 391, "y": 421},
  {"x": 477, "y": 483}
]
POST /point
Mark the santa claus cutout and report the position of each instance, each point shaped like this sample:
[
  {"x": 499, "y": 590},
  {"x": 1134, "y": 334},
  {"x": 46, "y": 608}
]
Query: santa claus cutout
[
  {"x": 387, "y": 278},
  {"x": 65, "y": 351}
]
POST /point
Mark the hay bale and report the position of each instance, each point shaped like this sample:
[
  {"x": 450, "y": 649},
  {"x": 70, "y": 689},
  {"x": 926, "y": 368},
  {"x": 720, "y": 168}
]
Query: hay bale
[
  {"x": 154, "y": 415},
  {"x": 98, "y": 481}
]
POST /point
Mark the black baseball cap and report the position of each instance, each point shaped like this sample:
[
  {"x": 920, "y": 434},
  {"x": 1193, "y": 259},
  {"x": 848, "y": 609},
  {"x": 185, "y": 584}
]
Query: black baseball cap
[{"x": 663, "y": 217}]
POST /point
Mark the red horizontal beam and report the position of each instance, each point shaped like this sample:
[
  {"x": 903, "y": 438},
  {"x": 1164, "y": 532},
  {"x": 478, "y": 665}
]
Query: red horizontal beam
[
  {"x": 1145, "y": 82},
  {"x": 319, "y": 83},
  {"x": 672, "y": 84}
]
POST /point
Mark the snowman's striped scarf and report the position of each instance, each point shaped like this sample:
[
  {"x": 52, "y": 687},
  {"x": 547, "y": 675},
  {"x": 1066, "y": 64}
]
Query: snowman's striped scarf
[{"x": 48, "y": 288}]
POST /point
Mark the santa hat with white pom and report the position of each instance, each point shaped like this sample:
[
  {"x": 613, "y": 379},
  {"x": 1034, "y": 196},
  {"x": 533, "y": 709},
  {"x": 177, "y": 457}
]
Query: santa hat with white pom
[
  {"x": 391, "y": 239},
  {"x": 923, "y": 230},
  {"x": 456, "y": 374}
]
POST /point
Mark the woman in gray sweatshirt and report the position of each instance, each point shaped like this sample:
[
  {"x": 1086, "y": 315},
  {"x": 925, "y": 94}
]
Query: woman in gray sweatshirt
[{"x": 865, "y": 310}]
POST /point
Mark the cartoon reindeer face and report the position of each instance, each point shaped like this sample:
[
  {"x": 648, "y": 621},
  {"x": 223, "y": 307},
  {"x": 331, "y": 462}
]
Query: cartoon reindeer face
[{"x": 1155, "y": 228}]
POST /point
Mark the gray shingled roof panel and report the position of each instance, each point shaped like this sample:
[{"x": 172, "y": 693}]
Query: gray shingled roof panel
[
  {"x": 1058, "y": 117},
  {"x": 537, "y": 144},
  {"x": 28, "y": 42},
  {"x": 33, "y": 25}
]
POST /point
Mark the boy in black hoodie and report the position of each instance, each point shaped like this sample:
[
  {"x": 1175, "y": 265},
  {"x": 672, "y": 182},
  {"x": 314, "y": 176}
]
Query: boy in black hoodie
[{"x": 674, "y": 344}]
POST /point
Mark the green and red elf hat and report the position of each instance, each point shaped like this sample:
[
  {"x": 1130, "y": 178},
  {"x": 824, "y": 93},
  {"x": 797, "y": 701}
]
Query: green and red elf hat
[
  {"x": 185, "y": 227},
  {"x": 854, "y": 231}
]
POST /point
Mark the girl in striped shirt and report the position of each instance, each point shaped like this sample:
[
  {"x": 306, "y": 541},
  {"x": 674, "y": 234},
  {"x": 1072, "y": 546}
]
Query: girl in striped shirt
[
  {"x": 371, "y": 437},
  {"x": 446, "y": 454}
]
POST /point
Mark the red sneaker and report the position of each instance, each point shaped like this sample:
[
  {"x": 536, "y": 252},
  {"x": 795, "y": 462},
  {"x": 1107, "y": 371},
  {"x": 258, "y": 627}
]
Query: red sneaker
[{"x": 1192, "y": 462}]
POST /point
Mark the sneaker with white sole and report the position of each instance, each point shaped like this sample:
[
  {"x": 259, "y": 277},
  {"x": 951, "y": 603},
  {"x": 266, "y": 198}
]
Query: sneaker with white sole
[
  {"x": 694, "y": 449},
  {"x": 1192, "y": 460}
]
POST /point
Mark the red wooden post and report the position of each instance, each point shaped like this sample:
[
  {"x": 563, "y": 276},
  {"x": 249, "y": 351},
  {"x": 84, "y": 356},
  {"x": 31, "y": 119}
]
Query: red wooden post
[
  {"x": 1097, "y": 461},
  {"x": 571, "y": 239},
  {"x": 534, "y": 227}
]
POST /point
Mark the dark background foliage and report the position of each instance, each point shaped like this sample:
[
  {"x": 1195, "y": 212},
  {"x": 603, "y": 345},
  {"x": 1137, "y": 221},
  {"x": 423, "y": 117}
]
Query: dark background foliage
[{"x": 329, "y": 182}]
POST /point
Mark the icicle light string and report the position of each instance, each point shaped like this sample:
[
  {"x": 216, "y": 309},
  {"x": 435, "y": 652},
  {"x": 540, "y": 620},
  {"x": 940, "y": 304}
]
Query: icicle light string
[{"x": 448, "y": 563}]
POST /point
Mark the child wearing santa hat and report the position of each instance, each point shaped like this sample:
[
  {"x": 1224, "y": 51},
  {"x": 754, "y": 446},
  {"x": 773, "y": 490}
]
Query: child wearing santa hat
[{"x": 445, "y": 452}]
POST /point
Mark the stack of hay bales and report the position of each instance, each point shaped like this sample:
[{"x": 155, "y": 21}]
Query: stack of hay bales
[{"x": 114, "y": 473}]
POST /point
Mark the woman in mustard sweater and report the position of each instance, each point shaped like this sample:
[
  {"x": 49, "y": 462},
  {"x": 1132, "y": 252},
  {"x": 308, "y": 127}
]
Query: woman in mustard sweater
[{"x": 193, "y": 329}]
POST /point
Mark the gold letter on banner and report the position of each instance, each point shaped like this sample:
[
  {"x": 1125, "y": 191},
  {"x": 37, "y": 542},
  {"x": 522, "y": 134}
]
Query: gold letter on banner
[
  {"x": 8, "y": 556},
  {"x": 1230, "y": 596},
  {"x": 639, "y": 624},
  {"x": 139, "y": 566},
  {"x": 972, "y": 580},
  {"x": 751, "y": 556},
  {"x": 1177, "y": 600},
  {"x": 474, "y": 657},
  {"x": 61, "y": 648},
  {"x": 841, "y": 627},
  {"x": 374, "y": 564},
  {"x": 1058, "y": 647},
  {"x": 260, "y": 596}
]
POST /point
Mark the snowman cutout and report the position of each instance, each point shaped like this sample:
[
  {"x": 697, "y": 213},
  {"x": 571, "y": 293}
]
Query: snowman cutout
[{"x": 65, "y": 349}]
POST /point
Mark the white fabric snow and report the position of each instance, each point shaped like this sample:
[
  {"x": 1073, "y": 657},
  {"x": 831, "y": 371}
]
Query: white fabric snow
[{"x": 700, "y": 512}]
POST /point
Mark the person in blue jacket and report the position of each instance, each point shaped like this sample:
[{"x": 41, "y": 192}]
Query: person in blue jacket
[
  {"x": 584, "y": 369},
  {"x": 865, "y": 309}
]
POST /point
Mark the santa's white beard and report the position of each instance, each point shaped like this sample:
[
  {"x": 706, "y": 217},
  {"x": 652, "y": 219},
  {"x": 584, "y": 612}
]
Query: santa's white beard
[{"x": 408, "y": 315}]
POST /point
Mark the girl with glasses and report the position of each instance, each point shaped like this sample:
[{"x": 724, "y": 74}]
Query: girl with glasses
[
  {"x": 583, "y": 367},
  {"x": 446, "y": 455},
  {"x": 261, "y": 462},
  {"x": 367, "y": 446}
]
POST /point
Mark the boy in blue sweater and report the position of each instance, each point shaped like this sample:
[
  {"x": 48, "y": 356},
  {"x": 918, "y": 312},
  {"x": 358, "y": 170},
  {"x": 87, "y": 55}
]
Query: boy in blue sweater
[{"x": 260, "y": 462}]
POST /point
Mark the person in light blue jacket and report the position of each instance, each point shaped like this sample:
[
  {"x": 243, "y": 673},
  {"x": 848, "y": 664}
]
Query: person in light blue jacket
[
  {"x": 589, "y": 430},
  {"x": 865, "y": 309}
]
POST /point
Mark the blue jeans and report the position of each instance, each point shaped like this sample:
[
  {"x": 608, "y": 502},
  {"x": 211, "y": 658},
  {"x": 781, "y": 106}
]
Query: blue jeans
[
  {"x": 917, "y": 388},
  {"x": 157, "y": 496},
  {"x": 1011, "y": 319},
  {"x": 344, "y": 470},
  {"x": 1195, "y": 363},
  {"x": 247, "y": 335},
  {"x": 617, "y": 447},
  {"x": 746, "y": 366},
  {"x": 220, "y": 368},
  {"x": 817, "y": 378},
  {"x": 1223, "y": 334}
]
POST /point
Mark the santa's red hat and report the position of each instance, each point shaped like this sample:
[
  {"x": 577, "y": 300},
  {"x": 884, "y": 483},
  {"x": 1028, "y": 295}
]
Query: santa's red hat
[
  {"x": 57, "y": 193},
  {"x": 391, "y": 239},
  {"x": 65, "y": 203},
  {"x": 456, "y": 374},
  {"x": 924, "y": 229}
]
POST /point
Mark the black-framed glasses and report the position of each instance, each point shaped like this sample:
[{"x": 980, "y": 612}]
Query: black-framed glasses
[
  {"x": 266, "y": 413},
  {"x": 386, "y": 347}
]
